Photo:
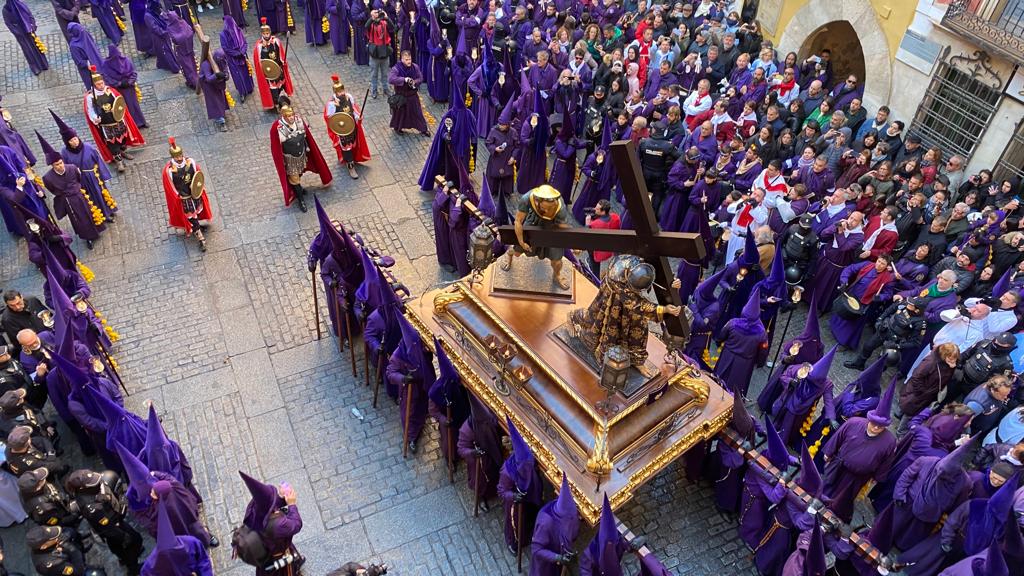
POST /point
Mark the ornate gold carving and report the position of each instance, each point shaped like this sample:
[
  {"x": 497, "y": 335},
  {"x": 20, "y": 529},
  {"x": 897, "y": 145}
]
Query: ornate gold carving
[
  {"x": 599, "y": 463},
  {"x": 446, "y": 298}
]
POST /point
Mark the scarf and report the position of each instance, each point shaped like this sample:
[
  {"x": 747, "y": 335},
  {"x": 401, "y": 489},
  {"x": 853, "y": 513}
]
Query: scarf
[
  {"x": 870, "y": 242},
  {"x": 835, "y": 240},
  {"x": 932, "y": 291},
  {"x": 783, "y": 88}
]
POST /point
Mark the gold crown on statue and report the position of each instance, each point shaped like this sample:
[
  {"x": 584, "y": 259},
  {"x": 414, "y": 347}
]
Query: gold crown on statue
[
  {"x": 264, "y": 27},
  {"x": 175, "y": 150},
  {"x": 336, "y": 83},
  {"x": 94, "y": 75}
]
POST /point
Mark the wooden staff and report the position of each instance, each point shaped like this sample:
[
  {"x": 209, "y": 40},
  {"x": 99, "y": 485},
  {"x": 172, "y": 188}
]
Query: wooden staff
[
  {"x": 479, "y": 478},
  {"x": 451, "y": 445},
  {"x": 316, "y": 303},
  {"x": 379, "y": 372},
  {"x": 348, "y": 332},
  {"x": 518, "y": 511},
  {"x": 405, "y": 418}
]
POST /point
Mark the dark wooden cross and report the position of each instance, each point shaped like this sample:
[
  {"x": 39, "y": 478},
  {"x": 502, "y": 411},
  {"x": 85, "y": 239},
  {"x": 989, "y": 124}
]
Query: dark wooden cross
[{"x": 646, "y": 240}]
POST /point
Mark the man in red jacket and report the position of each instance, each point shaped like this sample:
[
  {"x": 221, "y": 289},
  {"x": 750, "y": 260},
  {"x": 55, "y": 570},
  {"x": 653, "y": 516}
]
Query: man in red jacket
[{"x": 602, "y": 218}]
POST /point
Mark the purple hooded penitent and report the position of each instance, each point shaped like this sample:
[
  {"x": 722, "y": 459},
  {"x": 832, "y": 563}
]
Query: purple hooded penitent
[
  {"x": 520, "y": 464},
  {"x": 448, "y": 384},
  {"x": 558, "y": 525},
  {"x": 140, "y": 480},
  {"x": 83, "y": 51},
  {"x": 745, "y": 339},
  {"x": 862, "y": 394},
  {"x": 776, "y": 451},
  {"x": 22, "y": 24},
  {"x": 232, "y": 41},
  {"x": 175, "y": 555},
  {"x": 49, "y": 154},
  {"x": 604, "y": 553},
  {"x": 11, "y": 138},
  {"x": 123, "y": 427},
  {"x": 459, "y": 140},
  {"x": 880, "y": 415},
  {"x": 265, "y": 499},
  {"x": 368, "y": 295},
  {"x": 810, "y": 478},
  {"x": 163, "y": 454}
]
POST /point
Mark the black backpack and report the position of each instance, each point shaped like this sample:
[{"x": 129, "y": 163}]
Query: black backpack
[{"x": 247, "y": 546}]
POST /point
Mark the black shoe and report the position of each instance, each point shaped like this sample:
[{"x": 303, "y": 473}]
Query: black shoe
[
  {"x": 214, "y": 542},
  {"x": 302, "y": 205},
  {"x": 412, "y": 446},
  {"x": 88, "y": 244},
  {"x": 854, "y": 365}
]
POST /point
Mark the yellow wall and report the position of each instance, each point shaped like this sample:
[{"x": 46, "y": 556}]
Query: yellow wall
[{"x": 900, "y": 15}]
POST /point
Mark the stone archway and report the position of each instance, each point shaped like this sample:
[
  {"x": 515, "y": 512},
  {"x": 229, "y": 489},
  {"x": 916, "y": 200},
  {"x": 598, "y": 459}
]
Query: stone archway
[
  {"x": 842, "y": 40},
  {"x": 805, "y": 28}
]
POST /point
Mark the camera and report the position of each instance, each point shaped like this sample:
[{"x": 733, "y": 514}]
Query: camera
[{"x": 589, "y": 211}]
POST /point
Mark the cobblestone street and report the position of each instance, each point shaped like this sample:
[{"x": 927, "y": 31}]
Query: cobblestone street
[{"x": 224, "y": 343}]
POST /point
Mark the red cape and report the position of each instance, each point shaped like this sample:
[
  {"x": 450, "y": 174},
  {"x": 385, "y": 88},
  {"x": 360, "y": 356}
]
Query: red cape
[
  {"x": 361, "y": 152},
  {"x": 176, "y": 216},
  {"x": 134, "y": 136},
  {"x": 261, "y": 80},
  {"x": 314, "y": 161}
]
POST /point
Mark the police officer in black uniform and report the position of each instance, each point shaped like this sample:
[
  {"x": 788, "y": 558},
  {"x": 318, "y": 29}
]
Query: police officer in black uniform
[
  {"x": 980, "y": 362},
  {"x": 44, "y": 502},
  {"x": 100, "y": 499},
  {"x": 800, "y": 246},
  {"x": 55, "y": 552},
  {"x": 14, "y": 411},
  {"x": 656, "y": 157},
  {"x": 25, "y": 452},
  {"x": 13, "y": 376},
  {"x": 900, "y": 327}
]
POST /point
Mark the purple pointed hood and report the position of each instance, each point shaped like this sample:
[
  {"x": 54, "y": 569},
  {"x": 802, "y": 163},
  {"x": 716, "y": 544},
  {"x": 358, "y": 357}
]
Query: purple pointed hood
[
  {"x": 411, "y": 348},
  {"x": 123, "y": 427},
  {"x": 742, "y": 422},
  {"x": 66, "y": 132},
  {"x": 166, "y": 540},
  {"x": 442, "y": 392},
  {"x": 750, "y": 257},
  {"x": 565, "y": 505},
  {"x": 540, "y": 132},
  {"x": 953, "y": 463},
  {"x": 810, "y": 479},
  {"x": 20, "y": 12},
  {"x": 775, "y": 284},
  {"x": 369, "y": 291},
  {"x": 812, "y": 329},
  {"x": 159, "y": 452},
  {"x": 117, "y": 68},
  {"x": 704, "y": 296},
  {"x": 880, "y": 415},
  {"x": 869, "y": 381},
  {"x": 140, "y": 480},
  {"x": 568, "y": 129},
  {"x": 486, "y": 204},
  {"x": 75, "y": 376},
  {"x": 994, "y": 564},
  {"x": 232, "y": 38},
  {"x": 1003, "y": 285},
  {"x": 776, "y": 449},
  {"x": 819, "y": 372},
  {"x": 49, "y": 154},
  {"x": 508, "y": 112},
  {"x": 749, "y": 320},
  {"x": 651, "y": 566},
  {"x": 520, "y": 464},
  {"x": 80, "y": 38},
  {"x": 63, "y": 309},
  {"x": 607, "y": 537},
  {"x": 814, "y": 562},
  {"x": 435, "y": 29},
  {"x": 264, "y": 501},
  {"x": 328, "y": 240}
]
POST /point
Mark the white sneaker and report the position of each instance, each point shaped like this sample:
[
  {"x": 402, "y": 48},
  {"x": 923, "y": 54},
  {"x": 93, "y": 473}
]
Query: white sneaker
[{"x": 199, "y": 8}]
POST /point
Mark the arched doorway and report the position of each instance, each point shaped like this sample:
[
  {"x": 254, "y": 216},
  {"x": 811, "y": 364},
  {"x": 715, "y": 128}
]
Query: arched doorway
[
  {"x": 841, "y": 39},
  {"x": 820, "y": 22}
]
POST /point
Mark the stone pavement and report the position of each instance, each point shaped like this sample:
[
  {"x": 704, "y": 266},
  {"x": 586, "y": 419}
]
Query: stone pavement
[{"x": 224, "y": 342}]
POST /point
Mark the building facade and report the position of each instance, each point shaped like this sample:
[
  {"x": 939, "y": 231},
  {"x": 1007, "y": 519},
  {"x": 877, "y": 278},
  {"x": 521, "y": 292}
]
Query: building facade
[{"x": 952, "y": 70}]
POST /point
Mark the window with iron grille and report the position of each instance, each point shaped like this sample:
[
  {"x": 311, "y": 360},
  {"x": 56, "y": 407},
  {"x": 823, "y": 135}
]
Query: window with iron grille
[
  {"x": 956, "y": 110},
  {"x": 1011, "y": 163}
]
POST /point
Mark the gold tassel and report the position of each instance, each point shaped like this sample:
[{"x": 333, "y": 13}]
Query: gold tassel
[
  {"x": 109, "y": 199},
  {"x": 85, "y": 271},
  {"x": 472, "y": 158},
  {"x": 39, "y": 44},
  {"x": 469, "y": 98},
  {"x": 325, "y": 25},
  {"x": 97, "y": 215},
  {"x": 288, "y": 11},
  {"x": 38, "y": 181},
  {"x": 111, "y": 333},
  {"x": 245, "y": 5},
  {"x": 813, "y": 449},
  {"x": 227, "y": 96},
  {"x": 806, "y": 426},
  {"x": 431, "y": 121},
  {"x": 577, "y": 177},
  {"x": 249, "y": 66},
  {"x": 138, "y": 93},
  {"x": 120, "y": 23}
]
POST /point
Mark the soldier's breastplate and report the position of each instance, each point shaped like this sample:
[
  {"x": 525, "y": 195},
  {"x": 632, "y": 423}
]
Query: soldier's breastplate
[
  {"x": 272, "y": 52},
  {"x": 182, "y": 179},
  {"x": 294, "y": 146},
  {"x": 104, "y": 107}
]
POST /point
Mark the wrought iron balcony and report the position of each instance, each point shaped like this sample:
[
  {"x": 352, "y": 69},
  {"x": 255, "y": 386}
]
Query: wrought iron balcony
[{"x": 996, "y": 25}]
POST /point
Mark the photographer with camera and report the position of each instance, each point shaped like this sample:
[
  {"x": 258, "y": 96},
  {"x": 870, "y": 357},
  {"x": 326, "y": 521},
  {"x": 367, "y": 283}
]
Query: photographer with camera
[
  {"x": 379, "y": 31},
  {"x": 601, "y": 217},
  {"x": 900, "y": 327}
]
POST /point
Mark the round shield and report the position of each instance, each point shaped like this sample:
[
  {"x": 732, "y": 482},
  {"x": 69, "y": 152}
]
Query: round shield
[
  {"x": 198, "y": 184},
  {"x": 341, "y": 123},
  {"x": 119, "y": 109},
  {"x": 271, "y": 69}
]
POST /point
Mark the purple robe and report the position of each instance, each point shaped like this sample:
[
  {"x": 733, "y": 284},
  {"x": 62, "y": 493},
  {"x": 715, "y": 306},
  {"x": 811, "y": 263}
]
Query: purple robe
[
  {"x": 181, "y": 35},
  {"x": 916, "y": 444},
  {"x": 442, "y": 240},
  {"x": 482, "y": 470},
  {"x": 188, "y": 558},
  {"x": 411, "y": 395},
  {"x": 103, "y": 12},
  {"x": 119, "y": 72},
  {"x": 140, "y": 28},
  {"x": 66, "y": 12},
  {"x": 233, "y": 8},
  {"x": 182, "y": 509},
  {"x": 837, "y": 253},
  {"x": 358, "y": 14},
  {"x": 743, "y": 181},
  {"x": 421, "y": 35},
  {"x": 236, "y": 49},
  {"x": 94, "y": 173},
  {"x": 458, "y": 232},
  {"x": 824, "y": 219},
  {"x": 316, "y": 10},
  {"x": 22, "y": 24},
  {"x": 12, "y": 139},
  {"x": 923, "y": 494},
  {"x": 498, "y": 176},
  {"x": 842, "y": 95},
  {"x": 563, "y": 171},
  {"x": 83, "y": 51},
  {"x": 676, "y": 205},
  {"x": 852, "y": 459},
  {"x": 796, "y": 401},
  {"x": 817, "y": 183},
  {"x": 847, "y": 332},
  {"x": 736, "y": 361},
  {"x": 532, "y": 162},
  {"x": 161, "y": 37},
  {"x": 775, "y": 222},
  {"x": 411, "y": 114},
  {"x": 69, "y": 202},
  {"x": 340, "y": 31},
  {"x": 519, "y": 517},
  {"x": 485, "y": 97},
  {"x": 214, "y": 87},
  {"x": 439, "y": 84},
  {"x": 759, "y": 495},
  {"x": 276, "y": 13},
  {"x": 553, "y": 535},
  {"x": 591, "y": 192},
  {"x": 707, "y": 146},
  {"x": 470, "y": 23},
  {"x": 90, "y": 417},
  {"x": 544, "y": 79}
]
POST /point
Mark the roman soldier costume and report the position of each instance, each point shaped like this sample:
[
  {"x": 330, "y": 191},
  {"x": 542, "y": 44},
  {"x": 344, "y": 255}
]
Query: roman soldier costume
[
  {"x": 187, "y": 203},
  {"x": 110, "y": 122},
  {"x": 272, "y": 77},
  {"x": 295, "y": 152},
  {"x": 345, "y": 128}
]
